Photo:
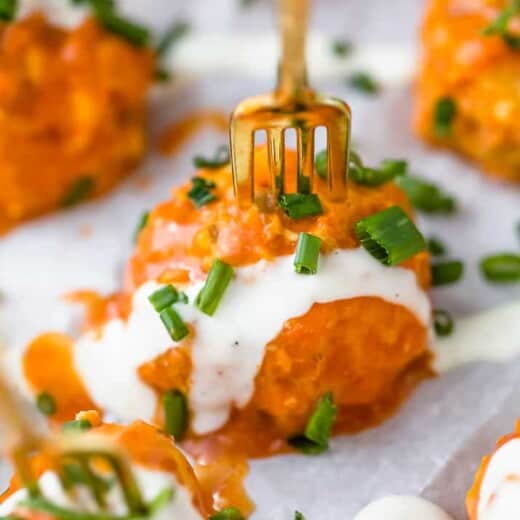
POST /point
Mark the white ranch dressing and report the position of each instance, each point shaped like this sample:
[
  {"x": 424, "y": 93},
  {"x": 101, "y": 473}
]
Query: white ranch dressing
[
  {"x": 402, "y": 507},
  {"x": 492, "y": 335},
  {"x": 150, "y": 482},
  {"x": 228, "y": 348},
  {"x": 500, "y": 490}
]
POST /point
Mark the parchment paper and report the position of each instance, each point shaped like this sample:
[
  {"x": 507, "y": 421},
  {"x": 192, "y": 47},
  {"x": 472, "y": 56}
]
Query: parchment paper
[{"x": 434, "y": 444}]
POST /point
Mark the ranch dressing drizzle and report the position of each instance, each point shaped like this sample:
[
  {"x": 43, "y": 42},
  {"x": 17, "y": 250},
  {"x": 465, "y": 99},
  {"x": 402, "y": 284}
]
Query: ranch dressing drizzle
[
  {"x": 492, "y": 335},
  {"x": 228, "y": 348},
  {"x": 402, "y": 507}
]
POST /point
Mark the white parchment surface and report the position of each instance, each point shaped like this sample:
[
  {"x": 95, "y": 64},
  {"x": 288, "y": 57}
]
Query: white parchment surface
[{"x": 434, "y": 444}]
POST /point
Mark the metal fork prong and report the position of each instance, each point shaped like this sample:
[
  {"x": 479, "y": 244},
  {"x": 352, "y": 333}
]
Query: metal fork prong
[
  {"x": 276, "y": 155},
  {"x": 337, "y": 151},
  {"x": 242, "y": 143},
  {"x": 305, "y": 136}
]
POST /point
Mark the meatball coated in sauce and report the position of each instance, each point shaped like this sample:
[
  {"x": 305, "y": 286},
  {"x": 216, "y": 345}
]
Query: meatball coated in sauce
[
  {"x": 367, "y": 351},
  {"x": 72, "y": 114},
  {"x": 479, "y": 74}
]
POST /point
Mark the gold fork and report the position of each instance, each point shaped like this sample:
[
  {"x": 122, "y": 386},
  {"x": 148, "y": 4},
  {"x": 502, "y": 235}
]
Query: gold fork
[
  {"x": 66, "y": 451},
  {"x": 293, "y": 104}
]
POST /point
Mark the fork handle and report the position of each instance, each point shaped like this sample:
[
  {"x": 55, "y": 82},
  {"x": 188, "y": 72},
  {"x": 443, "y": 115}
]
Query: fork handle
[{"x": 292, "y": 73}]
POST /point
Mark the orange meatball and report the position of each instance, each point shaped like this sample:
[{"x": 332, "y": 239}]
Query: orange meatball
[
  {"x": 72, "y": 114},
  {"x": 479, "y": 73}
]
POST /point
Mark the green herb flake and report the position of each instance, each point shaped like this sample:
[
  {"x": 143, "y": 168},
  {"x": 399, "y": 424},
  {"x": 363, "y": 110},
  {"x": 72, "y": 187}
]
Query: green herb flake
[
  {"x": 172, "y": 36},
  {"x": 8, "y": 9},
  {"x": 141, "y": 224},
  {"x": 79, "y": 191},
  {"x": 425, "y": 196},
  {"x": 78, "y": 426},
  {"x": 364, "y": 82},
  {"x": 436, "y": 247},
  {"x": 300, "y": 205},
  {"x": 390, "y": 236},
  {"x": 500, "y": 26},
  {"x": 298, "y": 516},
  {"x": 46, "y": 404},
  {"x": 315, "y": 439},
  {"x": 444, "y": 114},
  {"x": 229, "y": 513},
  {"x": 442, "y": 322},
  {"x": 219, "y": 159},
  {"x": 176, "y": 416},
  {"x": 501, "y": 268},
  {"x": 341, "y": 48},
  {"x": 446, "y": 273},
  {"x": 201, "y": 191}
]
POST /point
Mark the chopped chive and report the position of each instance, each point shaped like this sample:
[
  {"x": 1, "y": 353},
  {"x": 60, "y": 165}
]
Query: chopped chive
[
  {"x": 8, "y": 10},
  {"x": 162, "y": 499},
  {"x": 443, "y": 116},
  {"x": 321, "y": 164},
  {"x": 298, "y": 516},
  {"x": 500, "y": 26},
  {"x": 79, "y": 426},
  {"x": 133, "y": 33},
  {"x": 221, "y": 158},
  {"x": 175, "y": 414},
  {"x": 200, "y": 193},
  {"x": 364, "y": 82},
  {"x": 501, "y": 268},
  {"x": 390, "y": 236},
  {"x": 141, "y": 224},
  {"x": 219, "y": 277},
  {"x": 229, "y": 513},
  {"x": 425, "y": 196},
  {"x": 176, "y": 32},
  {"x": 80, "y": 190},
  {"x": 46, "y": 404},
  {"x": 315, "y": 439},
  {"x": 307, "y": 254},
  {"x": 300, "y": 205},
  {"x": 341, "y": 48},
  {"x": 436, "y": 247},
  {"x": 166, "y": 296},
  {"x": 445, "y": 273},
  {"x": 174, "y": 324},
  {"x": 442, "y": 322}
]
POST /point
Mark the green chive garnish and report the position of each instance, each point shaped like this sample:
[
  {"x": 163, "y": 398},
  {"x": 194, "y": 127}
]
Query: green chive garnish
[
  {"x": 500, "y": 26},
  {"x": 200, "y": 193},
  {"x": 80, "y": 190},
  {"x": 501, "y": 268},
  {"x": 301, "y": 205},
  {"x": 443, "y": 116},
  {"x": 364, "y": 82},
  {"x": 425, "y": 196},
  {"x": 8, "y": 9},
  {"x": 135, "y": 34},
  {"x": 175, "y": 414},
  {"x": 298, "y": 516},
  {"x": 315, "y": 439},
  {"x": 390, "y": 236},
  {"x": 341, "y": 48},
  {"x": 166, "y": 296},
  {"x": 174, "y": 324},
  {"x": 221, "y": 158},
  {"x": 442, "y": 322},
  {"x": 387, "y": 171},
  {"x": 46, "y": 404},
  {"x": 141, "y": 224},
  {"x": 176, "y": 32},
  {"x": 307, "y": 254},
  {"x": 79, "y": 426},
  {"x": 436, "y": 247},
  {"x": 445, "y": 273},
  {"x": 209, "y": 297},
  {"x": 229, "y": 513}
]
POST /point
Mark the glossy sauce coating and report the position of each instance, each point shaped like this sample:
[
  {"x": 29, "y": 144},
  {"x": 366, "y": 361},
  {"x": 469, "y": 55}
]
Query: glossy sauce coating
[
  {"x": 480, "y": 73},
  {"x": 72, "y": 107}
]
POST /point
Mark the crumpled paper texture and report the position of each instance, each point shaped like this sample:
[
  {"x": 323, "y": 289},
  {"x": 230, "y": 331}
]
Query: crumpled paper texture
[{"x": 434, "y": 444}]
